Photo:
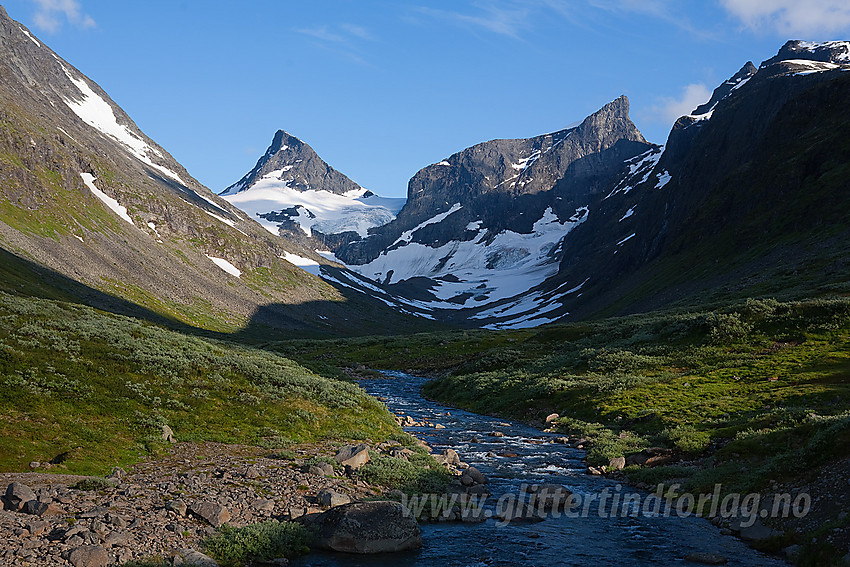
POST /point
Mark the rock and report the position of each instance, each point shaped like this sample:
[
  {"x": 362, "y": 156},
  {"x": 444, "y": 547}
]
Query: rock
[
  {"x": 439, "y": 426},
  {"x": 252, "y": 472},
  {"x": 263, "y": 505},
  {"x": 495, "y": 434},
  {"x": 476, "y": 475},
  {"x": 168, "y": 435},
  {"x": 466, "y": 480},
  {"x": 706, "y": 558},
  {"x": 37, "y": 508},
  {"x": 594, "y": 471},
  {"x": 322, "y": 469},
  {"x": 451, "y": 456},
  {"x": 37, "y": 528},
  {"x": 89, "y": 556},
  {"x": 368, "y": 527},
  {"x": 400, "y": 453},
  {"x": 190, "y": 557},
  {"x": 210, "y": 512},
  {"x": 17, "y": 494},
  {"x": 332, "y": 498},
  {"x": 757, "y": 532},
  {"x": 177, "y": 506},
  {"x": 562, "y": 440},
  {"x": 117, "y": 539},
  {"x": 354, "y": 456},
  {"x": 652, "y": 457},
  {"x": 616, "y": 464},
  {"x": 34, "y": 465},
  {"x": 551, "y": 497},
  {"x": 552, "y": 417}
]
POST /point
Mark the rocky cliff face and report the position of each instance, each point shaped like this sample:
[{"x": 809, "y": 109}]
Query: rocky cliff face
[
  {"x": 747, "y": 198},
  {"x": 85, "y": 194},
  {"x": 509, "y": 184}
]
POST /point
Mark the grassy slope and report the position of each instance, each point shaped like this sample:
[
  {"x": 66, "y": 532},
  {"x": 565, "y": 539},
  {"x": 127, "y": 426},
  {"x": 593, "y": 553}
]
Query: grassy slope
[{"x": 100, "y": 386}]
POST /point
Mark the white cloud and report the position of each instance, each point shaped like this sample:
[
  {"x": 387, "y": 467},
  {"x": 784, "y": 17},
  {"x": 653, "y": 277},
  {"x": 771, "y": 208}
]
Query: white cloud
[
  {"x": 344, "y": 39},
  {"x": 671, "y": 108},
  {"x": 792, "y": 17},
  {"x": 51, "y": 13}
]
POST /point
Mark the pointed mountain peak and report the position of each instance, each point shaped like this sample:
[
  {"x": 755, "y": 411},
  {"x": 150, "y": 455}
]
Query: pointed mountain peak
[{"x": 293, "y": 162}]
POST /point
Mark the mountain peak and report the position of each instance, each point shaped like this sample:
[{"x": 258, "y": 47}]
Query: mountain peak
[
  {"x": 294, "y": 162},
  {"x": 837, "y": 52}
]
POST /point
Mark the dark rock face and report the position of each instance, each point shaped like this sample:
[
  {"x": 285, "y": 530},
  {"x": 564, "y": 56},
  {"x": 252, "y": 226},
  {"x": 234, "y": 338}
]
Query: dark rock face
[
  {"x": 297, "y": 164},
  {"x": 761, "y": 183},
  {"x": 508, "y": 184},
  {"x": 368, "y": 527}
]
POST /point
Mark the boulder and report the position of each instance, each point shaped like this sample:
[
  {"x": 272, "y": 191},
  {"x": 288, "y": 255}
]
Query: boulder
[
  {"x": 551, "y": 497},
  {"x": 263, "y": 505},
  {"x": 38, "y": 508},
  {"x": 190, "y": 557},
  {"x": 332, "y": 498},
  {"x": 652, "y": 457},
  {"x": 616, "y": 464},
  {"x": 168, "y": 435},
  {"x": 89, "y": 556},
  {"x": 496, "y": 434},
  {"x": 552, "y": 417},
  {"x": 757, "y": 532},
  {"x": 400, "y": 453},
  {"x": 475, "y": 475},
  {"x": 368, "y": 527},
  {"x": 354, "y": 456},
  {"x": 177, "y": 506},
  {"x": 210, "y": 512},
  {"x": 451, "y": 457},
  {"x": 17, "y": 494}
]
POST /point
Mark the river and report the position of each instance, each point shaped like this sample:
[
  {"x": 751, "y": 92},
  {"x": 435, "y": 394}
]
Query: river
[{"x": 587, "y": 540}]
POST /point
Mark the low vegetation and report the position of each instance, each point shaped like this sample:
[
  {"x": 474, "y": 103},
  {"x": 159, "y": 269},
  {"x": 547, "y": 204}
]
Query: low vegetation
[
  {"x": 265, "y": 541},
  {"x": 89, "y": 391},
  {"x": 761, "y": 379}
]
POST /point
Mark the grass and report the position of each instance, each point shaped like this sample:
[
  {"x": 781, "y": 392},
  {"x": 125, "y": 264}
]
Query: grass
[{"x": 99, "y": 387}]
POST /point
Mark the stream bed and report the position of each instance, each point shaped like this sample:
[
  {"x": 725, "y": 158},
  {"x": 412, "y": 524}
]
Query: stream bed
[{"x": 586, "y": 540}]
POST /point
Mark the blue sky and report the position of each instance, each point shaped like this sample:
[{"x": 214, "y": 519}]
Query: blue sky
[{"x": 382, "y": 88}]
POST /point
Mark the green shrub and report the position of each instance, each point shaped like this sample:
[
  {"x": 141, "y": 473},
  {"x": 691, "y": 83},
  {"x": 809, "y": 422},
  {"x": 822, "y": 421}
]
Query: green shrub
[
  {"x": 422, "y": 474},
  {"x": 265, "y": 541},
  {"x": 687, "y": 438}
]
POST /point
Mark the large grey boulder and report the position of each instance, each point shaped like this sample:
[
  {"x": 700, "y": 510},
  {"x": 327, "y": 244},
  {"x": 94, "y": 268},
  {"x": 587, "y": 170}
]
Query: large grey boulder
[
  {"x": 190, "y": 557},
  {"x": 354, "y": 456},
  {"x": 89, "y": 556},
  {"x": 368, "y": 527},
  {"x": 210, "y": 512},
  {"x": 17, "y": 494}
]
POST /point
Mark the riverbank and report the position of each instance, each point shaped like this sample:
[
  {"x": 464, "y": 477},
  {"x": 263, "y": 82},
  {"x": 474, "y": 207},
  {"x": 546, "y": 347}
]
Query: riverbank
[{"x": 754, "y": 397}]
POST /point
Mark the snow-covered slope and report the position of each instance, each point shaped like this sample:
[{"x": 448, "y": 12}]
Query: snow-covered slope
[{"x": 293, "y": 191}]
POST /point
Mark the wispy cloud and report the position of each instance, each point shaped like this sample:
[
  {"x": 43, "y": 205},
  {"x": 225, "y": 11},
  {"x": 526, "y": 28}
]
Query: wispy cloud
[
  {"x": 671, "y": 108},
  {"x": 343, "y": 39},
  {"x": 507, "y": 18},
  {"x": 51, "y": 14},
  {"x": 792, "y": 17}
]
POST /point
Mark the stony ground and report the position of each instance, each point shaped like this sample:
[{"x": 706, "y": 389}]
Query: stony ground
[{"x": 161, "y": 506}]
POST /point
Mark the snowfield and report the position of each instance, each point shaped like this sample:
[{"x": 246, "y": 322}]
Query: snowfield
[{"x": 319, "y": 210}]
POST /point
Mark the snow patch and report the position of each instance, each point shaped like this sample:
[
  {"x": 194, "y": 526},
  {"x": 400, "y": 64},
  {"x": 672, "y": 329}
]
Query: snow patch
[
  {"x": 629, "y": 213},
  {"x": 225, "y": 265},
  {"x": 113, "y": 204},
  {"x": 97, "y": 113},
  {"x": 626, "y": 239},
  {"x": 32, "y": 39},
  {"x": 305, "y": 264},
  {"x": 407, "y": 235},
  {"x": 663, "y": 179}
]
